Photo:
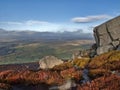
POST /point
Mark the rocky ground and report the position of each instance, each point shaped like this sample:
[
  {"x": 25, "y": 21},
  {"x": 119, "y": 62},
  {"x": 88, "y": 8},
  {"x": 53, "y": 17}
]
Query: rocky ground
[{"x": 98, "y": 73}]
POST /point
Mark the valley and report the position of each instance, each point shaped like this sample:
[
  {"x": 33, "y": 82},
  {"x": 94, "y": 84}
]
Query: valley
[{"x": 25, "y": 52}]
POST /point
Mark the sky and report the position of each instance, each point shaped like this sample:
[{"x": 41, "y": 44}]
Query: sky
[{"x": 56, "y": 15}]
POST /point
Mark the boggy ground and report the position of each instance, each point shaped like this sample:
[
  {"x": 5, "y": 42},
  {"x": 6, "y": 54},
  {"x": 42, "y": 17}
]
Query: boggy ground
[{"x": 98, "y": 73}]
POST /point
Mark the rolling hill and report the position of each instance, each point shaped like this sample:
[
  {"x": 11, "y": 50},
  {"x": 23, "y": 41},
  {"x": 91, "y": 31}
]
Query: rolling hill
[{"x": 29, "y": 46}]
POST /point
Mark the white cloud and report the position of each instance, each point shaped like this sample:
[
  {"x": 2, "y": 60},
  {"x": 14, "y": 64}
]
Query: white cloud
[
  {"x": 35, "y": 22},
  {"x": 35, "y": 25},
  {"x": 29, "y": 23},
  {"x": 11, "y": 23},
  {"x": 88, "y": 19}
]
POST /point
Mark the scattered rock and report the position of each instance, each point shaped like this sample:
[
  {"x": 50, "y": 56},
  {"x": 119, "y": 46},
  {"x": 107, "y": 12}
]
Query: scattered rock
[{"x": 80, "y": 54}]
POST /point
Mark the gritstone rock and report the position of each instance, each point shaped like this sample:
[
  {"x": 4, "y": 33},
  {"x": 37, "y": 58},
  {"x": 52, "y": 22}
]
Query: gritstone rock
[
  {"x": 49, "y": 62},
  {"x": 104, "y": 49},
  {"x": 107, "y": 36}
]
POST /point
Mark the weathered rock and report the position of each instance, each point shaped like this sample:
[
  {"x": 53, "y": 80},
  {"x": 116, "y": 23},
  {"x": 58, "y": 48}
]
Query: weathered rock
[
  {"x": 92, "y": 50},
  {"x": 118, "y": 48},
  {"x": 107, "y": 34},
  {"x": 81, "y": 54},
  {"x": 49, "y": 62},
  {"x": 114, "y": 27},
  {"x": 104, "y": 49},
  {"x": 115, "y": 43}
]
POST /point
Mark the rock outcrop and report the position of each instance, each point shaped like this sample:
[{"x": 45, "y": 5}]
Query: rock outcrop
[
  {"x": 107, "y": 36},
  {"x": 49, "y": 62}
]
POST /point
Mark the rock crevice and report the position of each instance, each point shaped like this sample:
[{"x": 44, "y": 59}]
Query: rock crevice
[{"x": 107, "y": 36}]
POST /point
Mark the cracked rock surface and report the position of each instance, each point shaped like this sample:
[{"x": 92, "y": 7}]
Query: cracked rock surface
[{"x": 107, "y": 36}]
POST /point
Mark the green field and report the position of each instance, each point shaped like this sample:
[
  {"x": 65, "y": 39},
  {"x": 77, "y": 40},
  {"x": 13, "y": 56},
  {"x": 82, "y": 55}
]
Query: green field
[{"x": 32, "y": 52}]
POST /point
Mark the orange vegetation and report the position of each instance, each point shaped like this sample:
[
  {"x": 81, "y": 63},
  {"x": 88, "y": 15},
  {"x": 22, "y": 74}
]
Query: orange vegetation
[{"x": 109, "y": 82}]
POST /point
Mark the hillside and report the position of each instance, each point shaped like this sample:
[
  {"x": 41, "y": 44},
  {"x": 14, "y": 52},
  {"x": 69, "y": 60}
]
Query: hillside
[
  {"x": 79, "y": 74},
  {"x": 22, "y": 52},
  {"x": 30, "y": 46},
  {"x": 34, "y": 36}
]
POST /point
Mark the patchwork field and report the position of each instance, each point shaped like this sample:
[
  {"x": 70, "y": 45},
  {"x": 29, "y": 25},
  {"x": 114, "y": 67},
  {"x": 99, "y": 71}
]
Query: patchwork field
[{"x": 23, "y": 52}]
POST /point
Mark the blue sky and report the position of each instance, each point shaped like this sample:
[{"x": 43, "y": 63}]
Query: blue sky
[{"x": 56, "y": 15}]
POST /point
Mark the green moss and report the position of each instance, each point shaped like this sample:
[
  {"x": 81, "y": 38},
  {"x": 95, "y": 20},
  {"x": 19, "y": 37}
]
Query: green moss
[{"x": 81, "y": 62}]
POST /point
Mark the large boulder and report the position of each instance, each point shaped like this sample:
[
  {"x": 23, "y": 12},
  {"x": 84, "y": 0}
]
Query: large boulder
[
  {"x": 107, "y": 35},
  {"x": 49, "y": 62}
]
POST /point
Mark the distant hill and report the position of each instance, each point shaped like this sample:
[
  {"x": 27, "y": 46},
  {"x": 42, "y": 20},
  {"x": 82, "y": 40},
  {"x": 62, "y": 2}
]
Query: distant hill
[
  {"x": 6, "y": 36},
  {"x": 31, "y": 46}
]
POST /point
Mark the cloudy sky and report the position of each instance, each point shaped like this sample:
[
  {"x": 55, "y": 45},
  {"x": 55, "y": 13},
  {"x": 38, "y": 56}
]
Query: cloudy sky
[{"x": 56, "y": 15}]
